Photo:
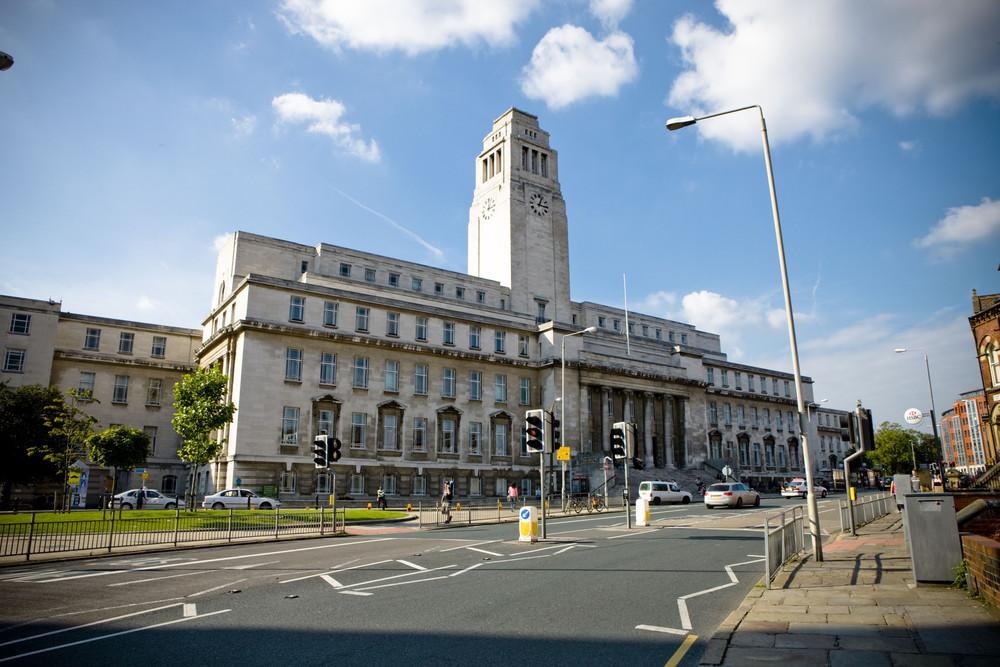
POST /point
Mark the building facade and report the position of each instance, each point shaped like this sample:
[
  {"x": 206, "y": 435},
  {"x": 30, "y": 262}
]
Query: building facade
[
  {"x": 963, "y": 431},
  {"x": 424, "y": 375},
  {"x": 985, "y": 325}
]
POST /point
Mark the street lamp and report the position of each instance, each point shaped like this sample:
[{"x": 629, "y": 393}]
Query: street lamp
[
  {"x": 6, "y": 62},
  {"x": 678, "y": 123},
  {"x": 814, "y": 405},
  {"x": 562, "y": 394},
  {"x": 937, "y": 441}
]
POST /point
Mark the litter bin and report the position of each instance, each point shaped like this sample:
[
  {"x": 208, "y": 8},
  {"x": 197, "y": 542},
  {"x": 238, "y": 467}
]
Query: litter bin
[{"x": 932, "y": 535}]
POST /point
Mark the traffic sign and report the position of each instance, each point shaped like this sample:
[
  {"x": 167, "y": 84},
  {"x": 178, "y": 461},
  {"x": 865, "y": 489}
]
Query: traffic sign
[
  {"x": 562, "y": 454},
  {"x": 913, "y": 416}
]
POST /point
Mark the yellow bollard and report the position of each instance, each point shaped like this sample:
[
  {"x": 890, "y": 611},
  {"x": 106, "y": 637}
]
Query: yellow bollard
[
  {"x": 499, "y": 504},
  {"x": 458, "y": 506},
  {"x": 369, "y": 505},
  {"x": 409, "y": 507}
]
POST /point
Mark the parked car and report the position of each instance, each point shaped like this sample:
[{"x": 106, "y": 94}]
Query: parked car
[
  {"x": 797, "y": 488},
  {"x": 239, "y": 499},
  {"x": 663, "y": 492},
  {"x": 731, "y": 494},
  {"x": 151, "y": 500}
]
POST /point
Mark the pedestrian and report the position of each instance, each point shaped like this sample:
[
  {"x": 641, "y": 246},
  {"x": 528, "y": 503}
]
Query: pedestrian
[
  {"x": 380, "y": 495},
  {"x": 139, "y": 497},
  {"x": 512, "y": 495},
  {"x": 446, "y": 498}
]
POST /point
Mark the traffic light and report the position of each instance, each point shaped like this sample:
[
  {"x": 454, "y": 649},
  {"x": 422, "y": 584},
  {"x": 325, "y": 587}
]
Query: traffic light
[
  {"x": 333, "y": 454},
  {"x": 534, "y": 425},
  {"x": 866, "y": 433},
  {"x": 618, "y": 446},
  {"x": 849, "y": 428},
  {"x": 320, "y": 449},
  {"x": 556, "y": 436}
]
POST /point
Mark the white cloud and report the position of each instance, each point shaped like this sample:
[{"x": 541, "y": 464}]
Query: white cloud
[
  {"x": 610, "y": 12},
  {"x": 912, "y": 147},
  {"x": 813, "y": 66},
  {"x": 245, "y": 125},
  {"x": 963, "y": 226},
  {"x": 569, "y": 65},
  {"x": 219, "y": 241},
  {"x": 411, "y": 26},
  {"x": 324, "y": 117}
]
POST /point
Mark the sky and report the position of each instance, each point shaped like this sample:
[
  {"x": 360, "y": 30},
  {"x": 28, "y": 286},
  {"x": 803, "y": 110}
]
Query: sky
[{"x": 135, "y": 136}]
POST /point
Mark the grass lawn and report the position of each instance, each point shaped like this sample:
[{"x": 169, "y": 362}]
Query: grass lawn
[{"x": 167, "y": 516}]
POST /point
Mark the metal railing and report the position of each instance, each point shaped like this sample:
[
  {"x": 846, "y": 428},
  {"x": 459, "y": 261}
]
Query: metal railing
[
  {"x": 119, "y": 531},
  {"x": 866, "y": 510},
  {"x": 784, "y": 538},
  {"x": 500, "y": 512}
]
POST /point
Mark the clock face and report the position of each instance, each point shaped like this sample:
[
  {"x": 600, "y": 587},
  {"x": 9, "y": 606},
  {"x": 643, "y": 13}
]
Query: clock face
[
  {"x": 489, "y": 206},
  {"x": 538, "y": 204}
]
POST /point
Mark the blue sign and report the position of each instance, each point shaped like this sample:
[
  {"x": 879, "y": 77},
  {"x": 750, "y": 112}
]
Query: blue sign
[{"x": 525, "y": 513}]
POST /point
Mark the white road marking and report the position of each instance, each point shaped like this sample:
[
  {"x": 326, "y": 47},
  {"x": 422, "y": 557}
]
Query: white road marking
[
  {"x": 733, "y": 580},
  {"x": 484, "y": 551},
  {"x": 87, "y": 625},
  {"x": 215, "y": 588},
  {"x": 190, "y": 609},
  {"x": 413, "y": 565},
  {"x": 169, "y": 576},
  {"x": 330, "y": 580},
  {"x": 656, "y": 628}
]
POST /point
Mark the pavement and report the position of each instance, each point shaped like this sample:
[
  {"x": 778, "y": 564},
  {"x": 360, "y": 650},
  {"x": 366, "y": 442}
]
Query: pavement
[{"x": 859, "y": 606}]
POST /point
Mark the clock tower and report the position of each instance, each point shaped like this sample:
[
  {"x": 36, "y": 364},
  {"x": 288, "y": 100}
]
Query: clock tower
[{"x": 517, "y": 223}]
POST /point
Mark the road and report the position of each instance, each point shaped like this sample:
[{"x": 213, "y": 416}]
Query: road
[{"x": 592, "y": 592}]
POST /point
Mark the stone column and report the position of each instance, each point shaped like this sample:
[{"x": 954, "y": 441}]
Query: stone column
[
  {"x": 607, "y": 419},
  {"x": 648, "y": 423}
]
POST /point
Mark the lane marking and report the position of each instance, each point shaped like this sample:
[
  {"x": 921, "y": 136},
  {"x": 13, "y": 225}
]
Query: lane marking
[
  {"x": 330, "y": 580},
  {"x": 484, "y": 551},
  {"x": 215, "y": 588},
  {"x": 733, "y": 580},
  {"x": 338, "y": 569},
  {"x": 413, "y": 565},
  {"x": 169, "y": 576},
  {"x": 190, "y": 609},
  {"x": 87, "y": 625},
  {"x": 656, "y": 628},
  {"x": 681, "y": 650}
]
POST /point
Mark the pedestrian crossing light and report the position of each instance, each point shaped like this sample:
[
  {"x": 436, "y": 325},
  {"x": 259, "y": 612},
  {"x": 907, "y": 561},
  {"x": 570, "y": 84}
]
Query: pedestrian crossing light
[
  {"x": 320, "y": 451},
  {"x": 333, "y": 453},
  {"x": 618, "y": 445},
  {"x": 534, "y": 426},
  {"x": 556, "y": 436}
]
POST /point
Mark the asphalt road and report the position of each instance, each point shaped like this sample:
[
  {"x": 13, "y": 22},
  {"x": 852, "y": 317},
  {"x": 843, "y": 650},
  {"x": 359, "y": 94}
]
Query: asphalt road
[{"x": 592, "y": 592}]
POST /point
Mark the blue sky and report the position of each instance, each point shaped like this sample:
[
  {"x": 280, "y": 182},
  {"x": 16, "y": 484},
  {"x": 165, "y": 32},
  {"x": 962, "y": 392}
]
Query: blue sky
[{"x": 136, "y": 135}]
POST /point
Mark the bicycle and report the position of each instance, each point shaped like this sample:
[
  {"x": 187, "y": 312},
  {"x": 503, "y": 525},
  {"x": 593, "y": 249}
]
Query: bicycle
[
  {"x": 596, "y": 503},
  {"x": 576, "y": 504}
]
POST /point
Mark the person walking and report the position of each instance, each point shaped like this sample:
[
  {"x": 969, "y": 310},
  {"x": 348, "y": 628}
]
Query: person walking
[
  {"x": 512, "y": 496},
  {"x": 446, "y": 498},
  {"x": 140, "y": 496},
  {"x": 380, "y": 496}
]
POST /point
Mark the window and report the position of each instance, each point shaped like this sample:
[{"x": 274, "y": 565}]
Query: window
[
  {"x": 777, "y": 419},
  {"x": 475, "y": 386},
  {"x": 392, "y": 324},
  {"x": 86, "y": 386},
  {"x": 420, "y": 486},
  {"x": 448, "y": 383},
  {"x": 439, "y": 288},
  {"x": 392, "y": 376},
  {"x": 500, "y": 439},
  {"x": 159, "y": 346},
  {"x": 459, "y": 292},
  {"x": 787, "y": 391},
  {"x": 522, "y": 345},
  {"x": 329, "y": 314},
  {"x": 92, "y": 341},
  {"x": 421, "y": 329},
  {"x": 360, "y": 372},
  {"x": 711, "y": 376},
  {"x": 168, "y": 485},
  {"x": 448, "y": 436},
  {"x": 13, "y": 360},
  {"x": 416, "y": 284},
  {"x": 153, "y": 391},
  {"x": 303, "y": 266},
  {"x": 992, "y": 360},
  {"x": 126, "y": 341},
  {"x": 774, "y": 387},
  {"x": 448, "y": 337},
  {"x": 20, "y": 323},
  {"x": 389, "y": 484},
  {"x": 476, "y": 486},
  {"x": 739, "y": 380},
  {"x": 150, "y": 432},
  {"x": 390, "y": 432},
  {"x": 756, "y": 455},
  {"x": 290, "y": 426},
  {"x": 524, "y": 391},
  {"x": 781, "y": 456},
  {"x": 419, "y": 434},
  {"x": 725, "y": 378},
  {"x": 420, "y": 384},
  {"x": 475, "y": 438},
  {"x": 357, "y": 484},
  {"x": 121, "y": 389},
  {"x": 740, "y": 421},
  {"x": 345, "y": 270},
  {"x": 753, "y": 417},
  {"x": 499, "y": 342},
  {"x": 769, "y": 455},
  {"x": 323, "y": 483},
  {"x": 369, "y": 275},
  {"x": 713, "y": 413},
  {"x": 324, "y": 422},
  {"x": 602, "y": 321},
  {"x": 645, "y": 329},
  {"x": 359, "y": 424},
  {"x": 743, "y": 454},
  {"x": 327, "y": 368},
  {"x": 616, "y": 324},
  {"x": 480, "y": 297},
  {"x": 287, "y": 482},
  {"x": 475, "y": 334},
  {"x": 393, "y": 280},
  {"x": 727, "y": 415},
  {"x": 791, "y": 422},
  {"x": 293, "y": 365},
  {"x": 361, "y": 319},
  {"x": 500, "y": 389},
  {"x": 297, "y": 309},
  {"x": 540, "y": 312},
  {"x": 659, "y": 334},
  {"x": 767, "y": 418},
  {"x": 750, "y": 382}
]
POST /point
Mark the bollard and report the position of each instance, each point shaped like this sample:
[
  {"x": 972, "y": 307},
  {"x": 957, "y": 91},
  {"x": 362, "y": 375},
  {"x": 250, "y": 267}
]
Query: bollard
[
  {"x": 642, "y": 512},
  {"x": 409, "y": 507},
  {"x": 369, "y": 506},
  {"x": 528, "y": 526},
  {"x": 458, "y": 507}
]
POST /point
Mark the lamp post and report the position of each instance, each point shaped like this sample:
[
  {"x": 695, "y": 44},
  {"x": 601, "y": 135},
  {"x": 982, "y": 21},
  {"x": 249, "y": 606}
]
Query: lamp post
[
  {"x": 930, "y": 388},
  {"x": 813, "y": 514},
  {"x": 562, "y": 394}
]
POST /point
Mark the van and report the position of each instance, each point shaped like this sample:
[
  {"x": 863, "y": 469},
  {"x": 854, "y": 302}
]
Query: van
[{"x": 663, "y": 492}]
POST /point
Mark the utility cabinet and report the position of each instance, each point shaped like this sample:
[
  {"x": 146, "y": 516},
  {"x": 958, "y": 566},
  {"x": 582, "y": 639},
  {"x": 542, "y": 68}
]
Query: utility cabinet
[{"x": 932, "y": 535}]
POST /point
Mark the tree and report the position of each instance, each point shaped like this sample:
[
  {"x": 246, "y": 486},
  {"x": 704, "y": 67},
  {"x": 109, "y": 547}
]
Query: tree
[
  {"x": 70, "y": 426},
  {"x": 895, "y": 448},
  {"x": 120, "y": 448},
  {"x": 199, "y": 409},
  {"x": 22, "y": 422}
]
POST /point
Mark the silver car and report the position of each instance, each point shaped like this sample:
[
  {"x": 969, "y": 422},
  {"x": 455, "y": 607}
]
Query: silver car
[
  {"x": 239, "y": 499},
  {"x": 151, "y": 500},
  {"x": 731, "y": 494}
]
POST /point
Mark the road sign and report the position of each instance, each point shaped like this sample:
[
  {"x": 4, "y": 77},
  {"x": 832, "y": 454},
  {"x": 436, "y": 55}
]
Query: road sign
[
  {"x": 145, "y": 475},
  {"x": 74, "y": 478},
  {"x": 562, "y": 454},
  {"x": 913, "y": 416}
]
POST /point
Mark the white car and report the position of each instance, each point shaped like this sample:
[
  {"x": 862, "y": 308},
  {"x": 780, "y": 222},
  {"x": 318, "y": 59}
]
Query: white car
[
  {"x": 151, "y": 500},
  {"x": 663, "y": 492},
  {"x": 797, "y": 488},
  {"x": 731, "y": 494},
  {"x": 239, "y": 499}
]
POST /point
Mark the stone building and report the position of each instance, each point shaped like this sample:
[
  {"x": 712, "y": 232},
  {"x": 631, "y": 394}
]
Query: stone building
[
  {"x": 985, "y": 325},
  {"x": 424, "y": 375}
]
